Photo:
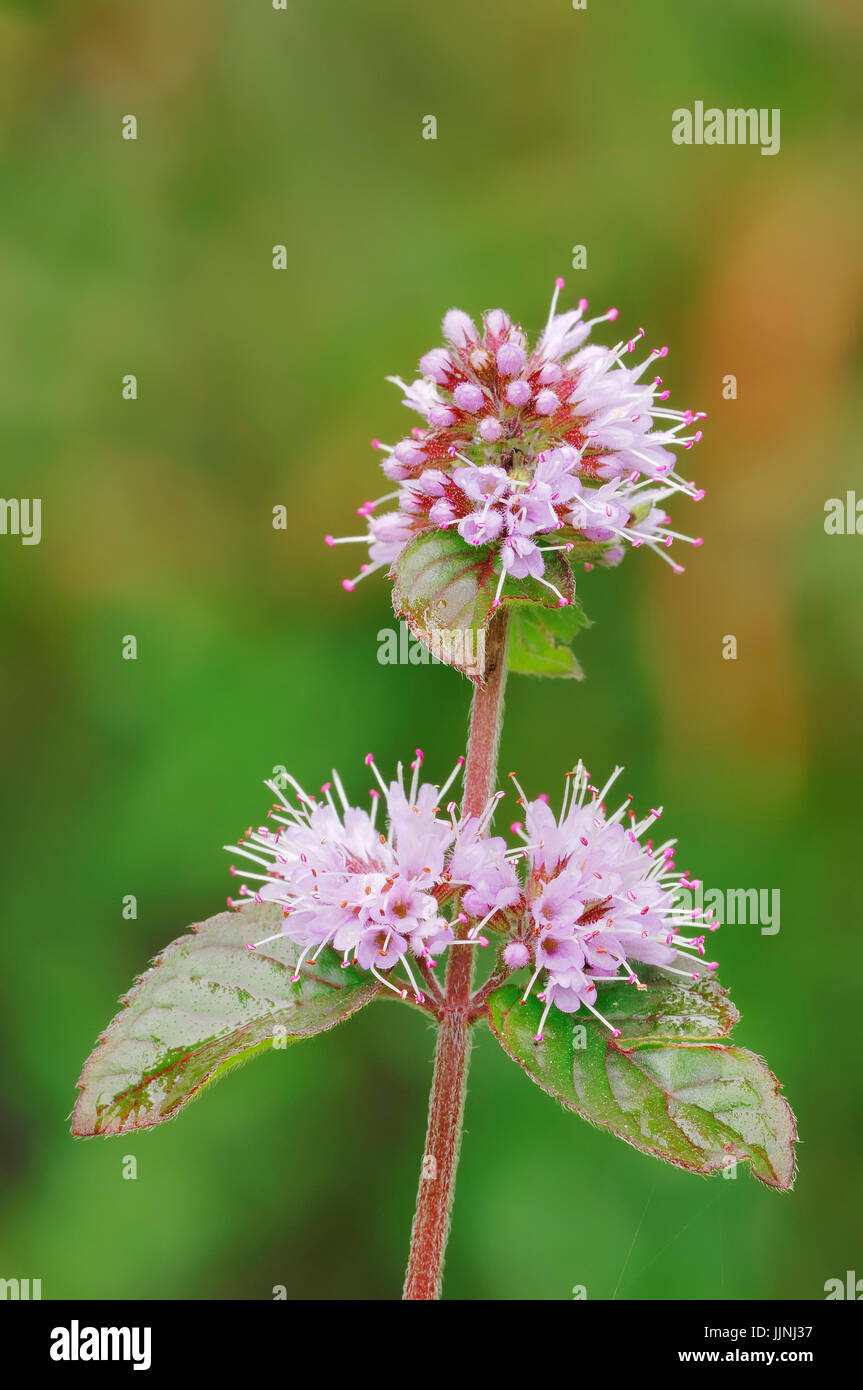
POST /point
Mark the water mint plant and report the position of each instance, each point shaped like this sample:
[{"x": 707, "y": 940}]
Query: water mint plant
[{"x": 531, "y": 462}]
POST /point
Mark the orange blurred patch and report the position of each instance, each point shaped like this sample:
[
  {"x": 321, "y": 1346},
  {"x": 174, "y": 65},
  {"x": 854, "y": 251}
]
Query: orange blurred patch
[{"x": 779, "y": 311}]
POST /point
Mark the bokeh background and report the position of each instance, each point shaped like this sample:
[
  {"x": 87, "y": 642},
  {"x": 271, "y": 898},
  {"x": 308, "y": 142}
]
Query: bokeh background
[{"x": 259, "y": 388}]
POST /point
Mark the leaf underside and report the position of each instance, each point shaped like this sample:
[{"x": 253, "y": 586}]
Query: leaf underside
[
  {"x": 206, "y": 1004},
  {"x": 668, "y": 1085},
  {"x": 445, "y": 588}
]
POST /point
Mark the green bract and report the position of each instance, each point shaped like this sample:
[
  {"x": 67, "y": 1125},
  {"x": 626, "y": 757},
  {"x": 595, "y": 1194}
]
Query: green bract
[{"x": 445, "y": 588}]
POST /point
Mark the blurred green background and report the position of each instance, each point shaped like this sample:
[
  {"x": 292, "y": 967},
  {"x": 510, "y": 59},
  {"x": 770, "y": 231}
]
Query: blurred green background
[{"x": 258, "y": 387}]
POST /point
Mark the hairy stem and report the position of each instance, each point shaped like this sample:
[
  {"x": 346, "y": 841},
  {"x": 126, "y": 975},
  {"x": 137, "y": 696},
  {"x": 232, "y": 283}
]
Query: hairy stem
[{"x": 452, "y": 1054}]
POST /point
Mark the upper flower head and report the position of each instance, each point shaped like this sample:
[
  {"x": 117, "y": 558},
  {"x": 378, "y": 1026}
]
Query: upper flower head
[
  {"x": 376, "y": 895},
  {"x": 520, "y": 444}
]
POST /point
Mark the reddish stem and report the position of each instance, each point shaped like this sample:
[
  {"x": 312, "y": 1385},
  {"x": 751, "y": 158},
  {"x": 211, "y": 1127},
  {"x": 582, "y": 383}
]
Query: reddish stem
[
  {"x": 486, "y": 720},
  {"x": 452, "y": 1054}
]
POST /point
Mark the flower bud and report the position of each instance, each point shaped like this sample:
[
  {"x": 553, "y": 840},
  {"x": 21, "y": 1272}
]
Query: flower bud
[
  {"x": 438, "y": 365},
  {"x": 497, "y": 322},
  {"x": 469, "y": 397},
  {"x": 440, "y": 417},
  {"x": 516, "y": 955},
  {"x": 459, "y": 328},
  {"x": 490, "y": 429},
  {"x": 510, "y": 359},
  {"x": 518, "y": 393},
  {"x": 547, "y": 403},
  {"x": 409, "y": 453}
]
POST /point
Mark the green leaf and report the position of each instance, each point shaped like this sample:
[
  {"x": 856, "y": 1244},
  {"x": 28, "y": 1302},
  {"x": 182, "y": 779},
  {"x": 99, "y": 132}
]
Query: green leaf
[
  {"x": 667, "y": 1085},
  {"x": 444, "y": 589},
  {"x": 539, "y": 637},
  {"x": 206, "y": 1004}
]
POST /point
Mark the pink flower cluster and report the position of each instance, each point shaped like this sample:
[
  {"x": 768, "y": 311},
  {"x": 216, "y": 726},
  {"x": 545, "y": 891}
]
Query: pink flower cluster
[
  {"x": 596, "y": 899},
  {"x": 375, "y": 895},
  {"x": 519, "y": 445},
  {"x": 580, "y": 901}
]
